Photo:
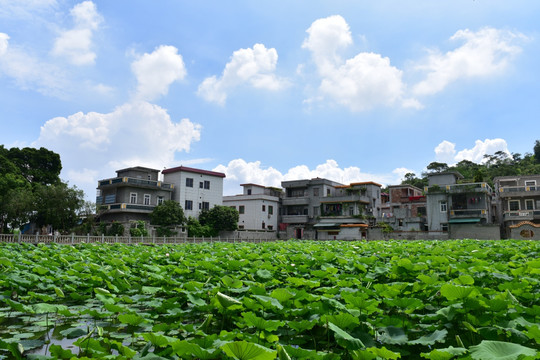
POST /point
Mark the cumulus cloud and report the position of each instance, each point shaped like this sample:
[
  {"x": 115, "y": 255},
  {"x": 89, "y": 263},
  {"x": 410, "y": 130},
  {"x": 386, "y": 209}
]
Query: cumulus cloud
[
  {"x": 156, "y": 71},
  {"x": 28, "y": 72},
  {"x": 137, "y": 133},
  {"x": 483, "y": 53},
  {"x": 446, "y": 151},
  {"x": 253, "y": 67},
  {"x": 239, "y": 171},
  {"x": 24, "y": 9},
  {"x": 360, "y": 83},
  {"x": 76, "y": 44}
]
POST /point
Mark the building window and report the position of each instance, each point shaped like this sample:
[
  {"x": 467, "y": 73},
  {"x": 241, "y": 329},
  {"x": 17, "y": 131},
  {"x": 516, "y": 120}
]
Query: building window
[
  {"x": 263, "y": 225},
  {"x": 529, "y": 204},
  {"x": 249, "y": 191},
  {"x": 315, "y": 191},
  {"x": 160, "y": 200},
  {"x": 264, "y": 208},
  {"x": 207, "y": 184},
  {"x": 444, "y": 227},
  {"x": 205, "y": 205},
  {"x": 240, "y": 227},
  {"x": 188, "y": 205},
  {"x": 270, "y": 210},
  {"x": 146, "y": 199},
  {"x": 513, "y": 205},
  {"x": 241, "y": 209},
  {"x": 443, "y": 206},
  {"x": 400, "y": 222},
  {"x": 189, "y": 182},
  {"x": 270, "y": 227},
  {"x": 201, "y": 185},
  {"x": 133, "y": 198},
  {"x": 530, "y": 183},
  {"x": 327, "y": 192}
]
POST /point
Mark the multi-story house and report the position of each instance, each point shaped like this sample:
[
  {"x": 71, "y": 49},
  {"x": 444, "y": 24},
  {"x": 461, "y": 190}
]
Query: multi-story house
[
  {"x": 258, "y": 207},
  {"x": 518, "y": 198},
  {"x": 195, "y": 190},
  {"x": 131, "y": 195},
  {"x": 458, "y": 208},
  {"x": 347, "y": 214},
  {"x": 406, "y": 208},
  {"x": 301, "y": 205}
]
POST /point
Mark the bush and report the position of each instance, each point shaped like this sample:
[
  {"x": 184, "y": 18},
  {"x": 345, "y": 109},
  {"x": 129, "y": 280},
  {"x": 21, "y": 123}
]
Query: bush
[
  {"x": 165, "y": 231},
  {"x": 139, "y": 229},
  {"x": 115, "y": 229}
]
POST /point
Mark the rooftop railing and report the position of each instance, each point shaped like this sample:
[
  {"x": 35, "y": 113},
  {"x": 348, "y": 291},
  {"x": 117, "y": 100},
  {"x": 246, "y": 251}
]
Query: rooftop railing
[{"x": 136, "y": 182}]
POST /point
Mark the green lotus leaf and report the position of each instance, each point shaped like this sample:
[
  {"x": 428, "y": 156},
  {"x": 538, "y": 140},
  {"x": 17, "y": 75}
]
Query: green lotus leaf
[
  {"x": 499, "y": 350},
  {"x": 393, "y": 335},
  {"x": 243, "y": 350},
  {"x": 261, "y": 324},
  {"x": 345, "y": 339},
  {"x": 453, "y": 292},
  {"x": 431, "y": 339},
  {"x": 58, "y": 352},
  {"x": 444, "y": 354},
  {"x": 130, "y": 319},
  {"x": 227, "y": 301},
  {"x": 268, "y": 302}
]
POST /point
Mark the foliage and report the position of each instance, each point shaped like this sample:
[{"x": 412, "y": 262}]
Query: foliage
[
  {"x": 37, "y": 166},
  {"x": 170, "y": 213},
  {"x": 165, "y": 231},
  {"x": 138, "y": 229},
  {"x": 220, "y": 218},
  {"x": 195, "y": 229},
  {"x": 457, "y": 299},
  {"x": 537, "y": 151}
]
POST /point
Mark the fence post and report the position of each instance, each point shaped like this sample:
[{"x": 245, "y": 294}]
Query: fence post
[
  {"x": 116, "y": 238},
  {"x": 72, "y": 238},
  {"x": 87, "y": 238},
  {"x": 54, "y": 237},
  {"x": 19, "y": 236},
  {"x": 153, "y": 238},
  {"x": 37, "y": 238},
  {"x": 102, "y": 238}
]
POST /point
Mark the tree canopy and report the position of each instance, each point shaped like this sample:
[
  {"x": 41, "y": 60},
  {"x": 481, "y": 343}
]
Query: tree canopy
[
  {"x": 170, "y": 213},
  {"x": 220, "y": 218}
]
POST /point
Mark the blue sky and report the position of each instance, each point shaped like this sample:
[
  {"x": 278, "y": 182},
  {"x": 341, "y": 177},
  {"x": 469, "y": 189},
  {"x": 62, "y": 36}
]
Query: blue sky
[{"x": 266, "y": 91}]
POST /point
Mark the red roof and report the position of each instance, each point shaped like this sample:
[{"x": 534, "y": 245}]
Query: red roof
[{"x": 192, "y": 170}]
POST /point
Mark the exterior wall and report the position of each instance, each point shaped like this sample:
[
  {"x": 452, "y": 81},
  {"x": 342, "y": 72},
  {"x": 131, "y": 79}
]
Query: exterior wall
[
  {"x": 254, "y": 216},
  {"x": 139, "y": 173},
  {"x": 525, "y": 232},
  {"x": 445, "y": 178},
  {"x": 475, "y": 231},
  {"x": 436, "y": 218},
  {"x": 377, "y": 234},
  {"x": 196, "y": 194}
]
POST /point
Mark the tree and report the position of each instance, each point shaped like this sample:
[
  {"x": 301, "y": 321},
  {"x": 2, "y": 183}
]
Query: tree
[
  {"x": 195, "y": 228},
  {"x": 167, "y": 215},
  {"x": 437, "y": 167},
  {"x": 57, "y": 205},
  {"x": 537, "y": 151},
  {"x": 39, "y": 166},
  {"x": 220, "y": 218},
  {"x": 170, "y": 213}
]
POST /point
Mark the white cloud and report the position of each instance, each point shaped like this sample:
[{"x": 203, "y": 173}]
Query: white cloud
[
  {"x": 76, "y": 44},
  {"x": 133, "y": 134},
  {"x": 29, "y": 72},
  {"x": 360, "y": 83},
  {"x": 446, "y": 151},
  {"x": 24, "y": 9},
  {"x": 156, "y": 71},
  {"x": 239, "y": 171},
  {"x": 484, "y": 53},
  {"x": 253, "y": 67}
]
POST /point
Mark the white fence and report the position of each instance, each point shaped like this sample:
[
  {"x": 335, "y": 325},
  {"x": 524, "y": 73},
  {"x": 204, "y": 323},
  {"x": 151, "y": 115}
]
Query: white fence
[{"x": 148, "y": 240}]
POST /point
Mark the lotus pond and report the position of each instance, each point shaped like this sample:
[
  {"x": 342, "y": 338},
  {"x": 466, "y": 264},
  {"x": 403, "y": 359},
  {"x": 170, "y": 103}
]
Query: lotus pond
[{"x": 462, "y": 299}]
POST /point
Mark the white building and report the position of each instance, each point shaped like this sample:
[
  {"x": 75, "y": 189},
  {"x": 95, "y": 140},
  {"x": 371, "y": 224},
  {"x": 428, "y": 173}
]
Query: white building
[
  {"x": 258, "y": 207},
  {"x": 195, "y": 189}
]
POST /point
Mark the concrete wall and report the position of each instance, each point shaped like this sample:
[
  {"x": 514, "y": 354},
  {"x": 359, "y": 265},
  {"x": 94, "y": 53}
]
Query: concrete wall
[
  {"x": 377, "y": 234},
  {"x": 434, "y": 214},
  {"x": 525, "y": 232},
  {"x": 254, "y": 216},
  {"x": 263, "y": 235},
  {"x": 475, "y": 231}
]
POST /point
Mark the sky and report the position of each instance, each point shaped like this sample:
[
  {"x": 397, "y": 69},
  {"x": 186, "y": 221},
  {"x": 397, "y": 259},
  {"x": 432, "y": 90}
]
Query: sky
[{"x": 266, "y": 91}]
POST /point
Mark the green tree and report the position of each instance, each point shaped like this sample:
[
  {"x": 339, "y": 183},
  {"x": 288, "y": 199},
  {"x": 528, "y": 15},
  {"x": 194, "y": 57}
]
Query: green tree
[
  {"x": 537, "y": 151},
  {"x": 170, "y": 213},
  {"x": 57, "y": 205},
  {"x": 437, "y": 167},
  {"x": 220, "y": 218},
  {"x": 38, "y": 166},
  {"x": 195, "y": 228}
]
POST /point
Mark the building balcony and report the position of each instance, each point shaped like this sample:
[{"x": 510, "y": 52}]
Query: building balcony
[
  {"x": 292, "y": 201},
  {"x": 519, "y": 191},
  {"x": 127, "y": 181},
  {"x": 122, "y": 207},
  {"x": 468, "y": 213},
  {"x": 345, "y": 199},
  {"x": 294, "y": 219},
  {"x": 521, "y": 215},
  {"x": 480, "y": 187}
]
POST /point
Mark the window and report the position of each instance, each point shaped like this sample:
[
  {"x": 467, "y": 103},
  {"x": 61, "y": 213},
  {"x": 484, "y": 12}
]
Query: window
[
  {"x": 249, "y": 191},
  {"x": 189, "y": 182},
  {"x": 240, "y": 227},
  {"x": 400, "y": 222},
  {"x": 241, "y": 209},
  {"x": 133, "y": 198},
  {"x": 443, "y": 206},
  {"x": 529, "y": 204},
  {"x": 207, "y": 184},
  {"x": 513, "y": 205},
  {"x": 327, "y": 192},
  {"x": 444, "y": 227},
  {"x": 146, "y": 199},
  {"x": 315, "y": 191},
  {"x": 270, "y": 210},
  {"x": 205, "y": 205},
  {"x": 351, "y": 210},
  {"x": 264, "y": 208},
  {"x": 201, "y": 185},
  {"x": 263, "y": 225},
  {"x": 188, "y": 205},
  {"x": 270, "y": 227},
  {"x": 160, "y": 200},
  {"x": 530, "y": 183}
]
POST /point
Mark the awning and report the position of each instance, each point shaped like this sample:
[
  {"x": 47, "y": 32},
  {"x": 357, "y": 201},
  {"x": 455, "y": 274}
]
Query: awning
[
  {"x": 326, "y": 225},
  {"x": 463, "y": 221},
  {"x": 355, "y": 225}
]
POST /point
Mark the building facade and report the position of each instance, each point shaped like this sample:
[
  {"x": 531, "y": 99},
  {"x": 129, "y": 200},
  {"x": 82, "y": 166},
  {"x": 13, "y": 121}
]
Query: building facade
[
  {"x": 518, "y": 199},
  {"x": 195, "y": 190},
  {"x": 131, "y": 195},
  {"x": 258, "y": 207},
  {"x": 406, "y": 208}
]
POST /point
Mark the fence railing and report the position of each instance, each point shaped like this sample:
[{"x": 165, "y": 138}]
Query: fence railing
[{"x": 80, "y": 239}]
